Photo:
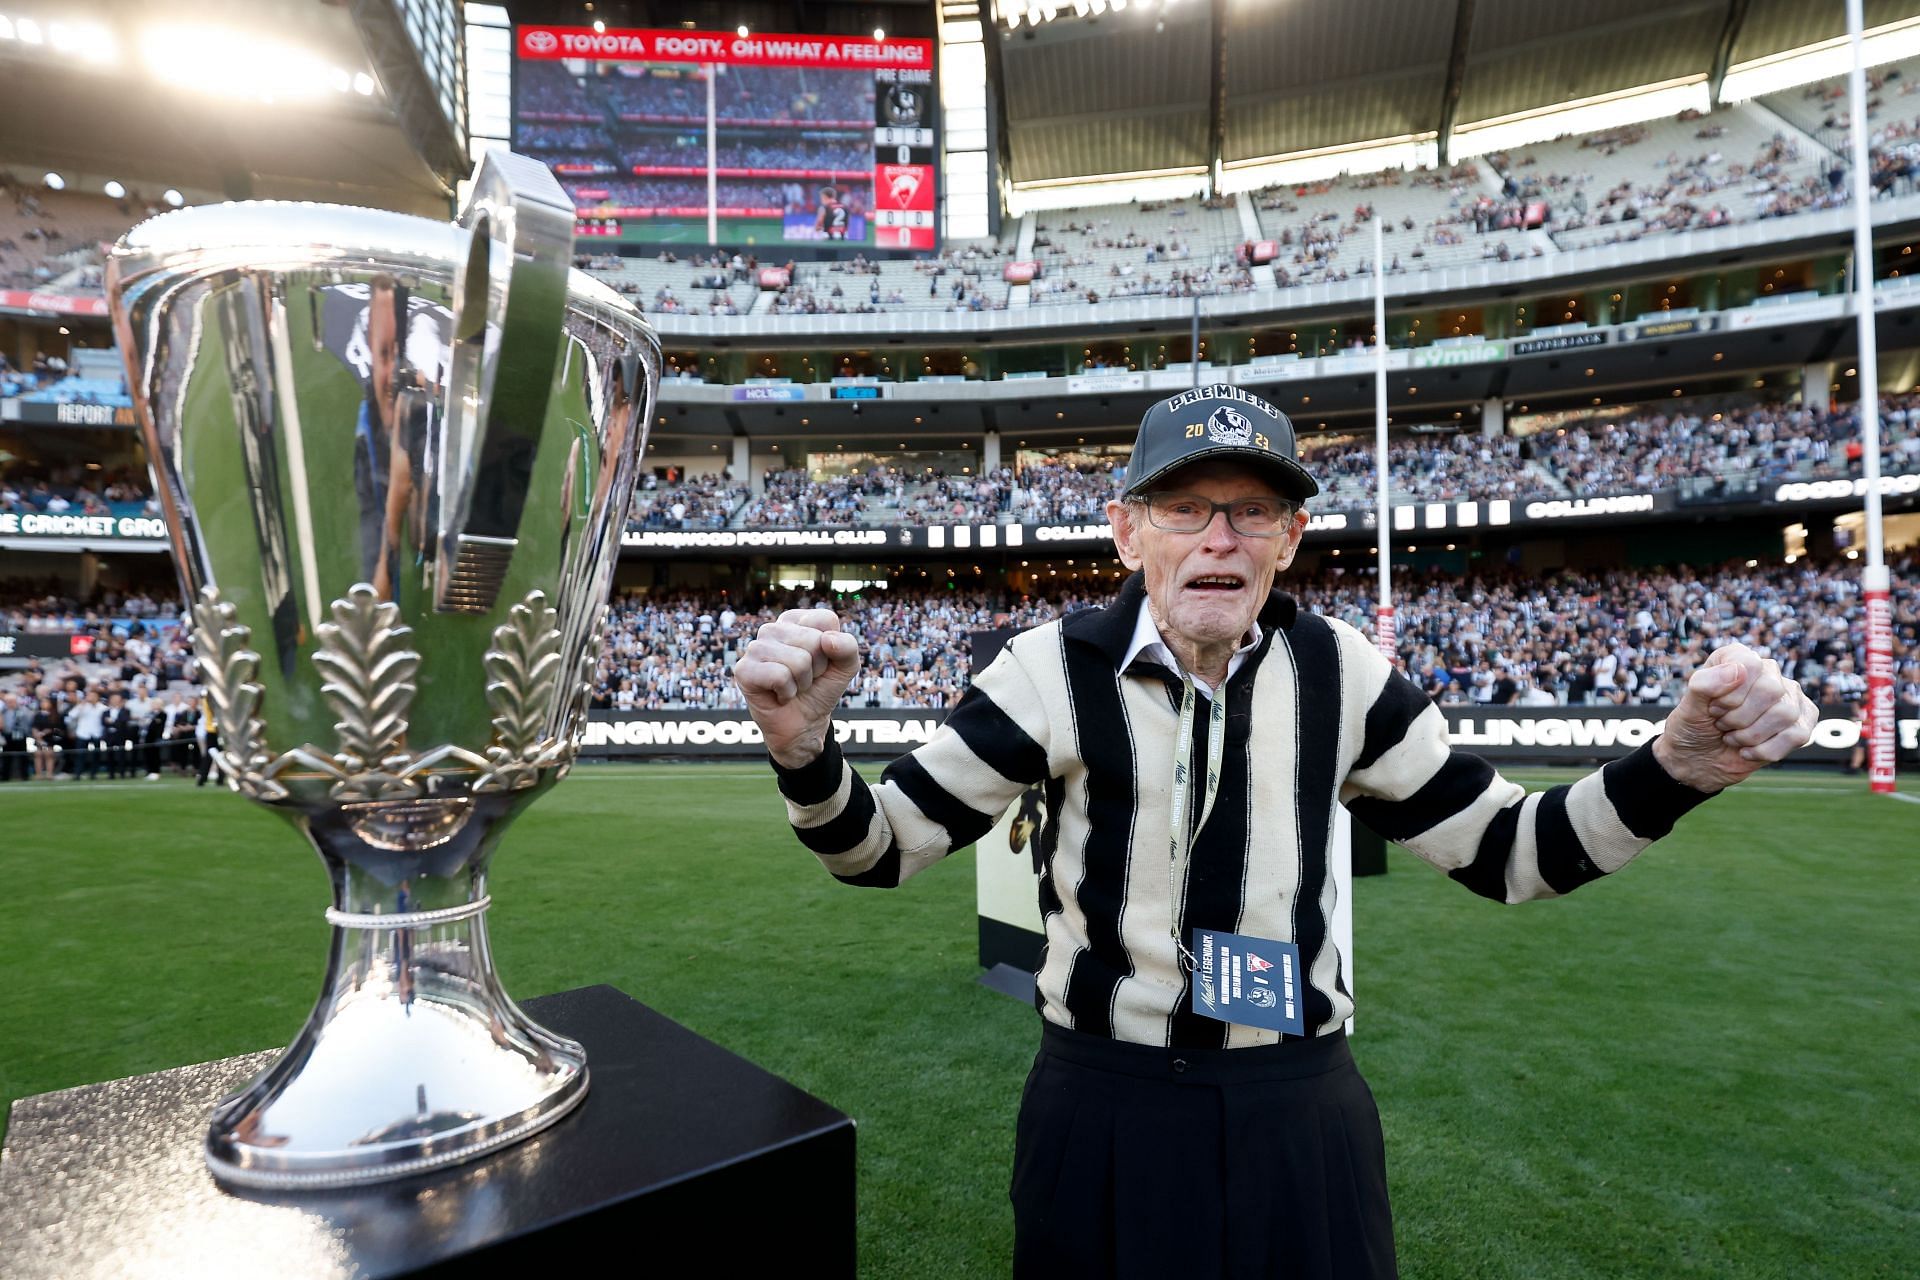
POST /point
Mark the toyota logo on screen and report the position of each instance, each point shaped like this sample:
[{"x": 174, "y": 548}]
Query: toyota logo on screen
[{"x": 542, "y": 41}]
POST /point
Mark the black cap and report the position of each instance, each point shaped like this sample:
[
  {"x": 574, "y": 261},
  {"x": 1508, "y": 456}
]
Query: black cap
[{"x": 1218, "y": 421}]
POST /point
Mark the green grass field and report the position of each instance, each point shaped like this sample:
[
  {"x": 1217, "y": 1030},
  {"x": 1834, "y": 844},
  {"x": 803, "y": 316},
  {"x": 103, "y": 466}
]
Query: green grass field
[
  {"x": 751, "y": 232},
  {"x": 1706, "y": 1066}
]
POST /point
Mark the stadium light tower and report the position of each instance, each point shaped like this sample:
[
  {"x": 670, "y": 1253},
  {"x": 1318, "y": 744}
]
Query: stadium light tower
[
  {"x": 1874, "y": 579},
  {"x": 1383, "y": 612}
]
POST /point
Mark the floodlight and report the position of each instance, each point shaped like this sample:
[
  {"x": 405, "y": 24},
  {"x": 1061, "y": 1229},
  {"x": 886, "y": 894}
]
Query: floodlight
[
  {"x": 55, "y": 181},
  {"x": 173, "y": 198},
  {"x": 363, "y": 84},
  {"x": 232, "y": 62},
  {"x": 599, "y": 26},
  {"x": 114, "y": 190},
  {"x": 6, "y": 27},
  {"x": 741, "y": 31},
  {"x": 879, "y": 33},
  {"x": 29, "y": 30}
]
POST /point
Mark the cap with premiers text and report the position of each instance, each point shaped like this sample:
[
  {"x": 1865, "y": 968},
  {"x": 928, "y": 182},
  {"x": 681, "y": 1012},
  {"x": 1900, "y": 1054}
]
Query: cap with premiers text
[{"x": 1219, "y": 421}]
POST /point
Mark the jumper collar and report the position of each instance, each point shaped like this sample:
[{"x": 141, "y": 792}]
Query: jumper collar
[{"x": 1110, "y": 629}]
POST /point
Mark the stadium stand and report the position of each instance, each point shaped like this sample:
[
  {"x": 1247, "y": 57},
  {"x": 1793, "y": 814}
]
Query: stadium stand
[
  {"x": 1701, "y": 446},
  {"x": 705, "y": 502},
  {"x": 1893, "y": 117},
  {"x": 1737, "y": 164},
  {"x": 79, "y": 492},
  {"x": 1173, "y": 248},
  {"x": 54, "y": 237},
  {"x": 1622, "y": 637},
  {"x": 1429, "y": 218}
]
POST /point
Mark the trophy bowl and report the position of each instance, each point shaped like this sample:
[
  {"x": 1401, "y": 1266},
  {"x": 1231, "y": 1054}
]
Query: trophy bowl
[{"x": 395, "y": 458}]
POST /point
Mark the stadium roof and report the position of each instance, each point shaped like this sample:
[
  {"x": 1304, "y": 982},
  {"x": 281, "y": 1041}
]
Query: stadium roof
[
  {"x": 1180, "y": 85},
  {"x": 99, "y": 107}
]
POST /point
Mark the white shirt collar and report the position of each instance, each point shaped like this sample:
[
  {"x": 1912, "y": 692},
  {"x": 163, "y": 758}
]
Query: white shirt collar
[{"x": 1148, "y": 643}]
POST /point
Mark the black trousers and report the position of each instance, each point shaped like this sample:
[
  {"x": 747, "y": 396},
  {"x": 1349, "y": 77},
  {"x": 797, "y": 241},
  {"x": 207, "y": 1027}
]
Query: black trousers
[{"x": 1134, "y": 1161}]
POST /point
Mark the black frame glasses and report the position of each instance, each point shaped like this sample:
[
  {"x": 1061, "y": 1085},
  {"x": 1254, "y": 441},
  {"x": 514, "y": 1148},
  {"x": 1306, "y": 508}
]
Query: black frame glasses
[{"x": 1155, "y": 504}]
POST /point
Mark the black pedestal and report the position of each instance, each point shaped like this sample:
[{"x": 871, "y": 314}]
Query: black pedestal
[
  {"x": 683, "y": 1158},
  {"x": 1369, "y": 851}
]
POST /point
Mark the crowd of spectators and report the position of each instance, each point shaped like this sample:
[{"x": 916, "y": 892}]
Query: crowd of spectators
[
  {"x": 1088, "y": 261},
  {"x": 48, "y": 380},
  {"x": 1894, "y": 143},
  {"x": 1752, "y": 444},
  {"x": 1434, "y": 468},
  {"x": 50, "y": 237},
  {"x": 1694, "y": 448},
  {"x": 825, "y": 98},
  {"x": 1628, "y": 637},
  {"x": 1634, "y": 636},
  {"x": 1621, "y": 637},
  {"x": 126, "y": 707},
  {"x": 835, "y": 154},
  {"x": 1682, "y": 189},
  {"x": 1307, "y": 223},
  {"x": 792, "y": 499},
  {"x": 1055, "y": 491},
  {"x": 78, "y": 491},
  {"x": 674, "y": 193},
  {"x": 549, "y": 92},
  {"x": 914, "y": 645},
  {"x": 701, "y": 502}
]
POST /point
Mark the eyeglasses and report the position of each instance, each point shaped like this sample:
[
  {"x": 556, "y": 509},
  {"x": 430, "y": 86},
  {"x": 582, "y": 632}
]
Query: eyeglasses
[{"x": 1190, "y": 513}]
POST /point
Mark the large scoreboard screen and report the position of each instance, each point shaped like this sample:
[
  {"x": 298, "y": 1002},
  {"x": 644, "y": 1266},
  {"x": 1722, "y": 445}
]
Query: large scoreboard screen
[{"x": 691, "y": 137}]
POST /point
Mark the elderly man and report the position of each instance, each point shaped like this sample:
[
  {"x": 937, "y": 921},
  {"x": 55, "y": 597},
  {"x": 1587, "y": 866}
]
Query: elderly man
[{"x": 1194, "y": 1110}]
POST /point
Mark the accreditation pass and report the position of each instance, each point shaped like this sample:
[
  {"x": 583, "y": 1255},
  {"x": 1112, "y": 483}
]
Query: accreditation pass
[{"x": 1252, "y": 981}]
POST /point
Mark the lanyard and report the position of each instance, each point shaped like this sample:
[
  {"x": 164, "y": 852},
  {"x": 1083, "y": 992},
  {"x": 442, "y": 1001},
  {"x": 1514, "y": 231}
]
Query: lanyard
[{"x": 1180, "y": 843}]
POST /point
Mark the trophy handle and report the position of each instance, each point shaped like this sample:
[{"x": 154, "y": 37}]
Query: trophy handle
[{"x": 510, "y": 299}]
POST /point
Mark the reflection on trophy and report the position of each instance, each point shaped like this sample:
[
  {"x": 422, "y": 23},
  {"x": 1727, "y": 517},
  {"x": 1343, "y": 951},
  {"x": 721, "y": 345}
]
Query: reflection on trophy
[{"x": 395, "y": 457}]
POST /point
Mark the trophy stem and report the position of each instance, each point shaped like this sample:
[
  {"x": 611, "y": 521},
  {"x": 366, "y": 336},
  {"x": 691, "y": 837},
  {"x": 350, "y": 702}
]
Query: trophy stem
[{"x": 413, "y": 1057}]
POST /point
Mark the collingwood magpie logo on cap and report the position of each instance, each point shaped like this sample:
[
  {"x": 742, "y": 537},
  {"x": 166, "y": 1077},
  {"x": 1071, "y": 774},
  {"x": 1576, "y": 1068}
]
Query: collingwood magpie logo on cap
[{"x": 1228, "y": 425}]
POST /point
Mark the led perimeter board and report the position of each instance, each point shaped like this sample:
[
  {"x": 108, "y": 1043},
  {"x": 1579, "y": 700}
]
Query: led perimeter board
[{"x": 670, "y": 137}]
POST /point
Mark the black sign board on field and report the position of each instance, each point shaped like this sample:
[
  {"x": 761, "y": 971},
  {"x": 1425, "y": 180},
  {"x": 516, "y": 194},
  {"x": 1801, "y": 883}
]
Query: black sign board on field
[{"x": 1508, "y": 735}]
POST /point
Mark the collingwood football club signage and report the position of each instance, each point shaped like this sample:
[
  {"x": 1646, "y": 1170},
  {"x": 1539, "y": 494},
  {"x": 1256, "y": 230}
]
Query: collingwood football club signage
[{"x": 1515, "y": 734}]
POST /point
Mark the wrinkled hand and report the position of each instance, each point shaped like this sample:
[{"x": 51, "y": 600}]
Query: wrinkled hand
[
  {"x": 792, "y": 676},
  {"x": 1739, "y": 714}
]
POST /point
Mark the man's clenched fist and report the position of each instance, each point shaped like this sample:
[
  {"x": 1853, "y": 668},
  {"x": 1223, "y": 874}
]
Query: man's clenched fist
[
  {"x": 793, "y": 674},
  {"x": 1739, "y": 713}
]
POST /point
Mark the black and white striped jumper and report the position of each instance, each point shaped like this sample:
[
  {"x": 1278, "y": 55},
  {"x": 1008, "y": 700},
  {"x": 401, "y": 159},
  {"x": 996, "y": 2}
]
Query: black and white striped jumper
[{"x": 1315, "y": 717}]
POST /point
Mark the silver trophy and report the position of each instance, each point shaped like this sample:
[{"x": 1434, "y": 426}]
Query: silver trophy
[{"x": 395, "y": 456}]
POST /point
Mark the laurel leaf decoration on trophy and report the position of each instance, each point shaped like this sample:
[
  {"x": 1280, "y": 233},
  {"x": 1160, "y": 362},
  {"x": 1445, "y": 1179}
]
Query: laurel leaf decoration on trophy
[
  {"x": 524, "y": 664},
  {"x": 370, "y": 687},
  {"x": 227, "y": 668},
  {"x": 584, "y": 671},
  {"x": 585, "y": 667}
]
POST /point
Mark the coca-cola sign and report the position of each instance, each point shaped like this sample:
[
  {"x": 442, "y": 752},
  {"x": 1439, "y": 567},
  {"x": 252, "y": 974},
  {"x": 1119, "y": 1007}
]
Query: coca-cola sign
[{"x": 59, "y": 303}]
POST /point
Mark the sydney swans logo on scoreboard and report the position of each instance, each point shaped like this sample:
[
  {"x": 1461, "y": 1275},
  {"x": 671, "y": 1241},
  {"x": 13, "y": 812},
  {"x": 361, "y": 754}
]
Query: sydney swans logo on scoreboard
[{"x": 908, "y": 186}]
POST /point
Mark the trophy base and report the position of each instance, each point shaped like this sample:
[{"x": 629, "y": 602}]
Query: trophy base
[{"x": 380, "y": 1087}]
